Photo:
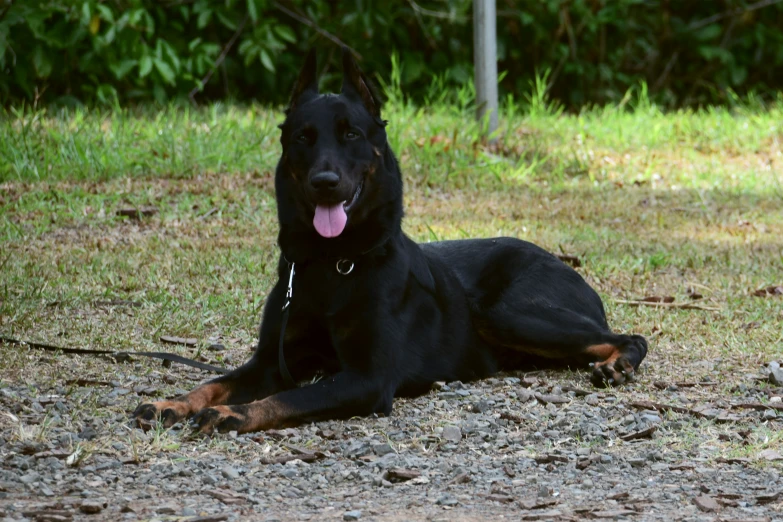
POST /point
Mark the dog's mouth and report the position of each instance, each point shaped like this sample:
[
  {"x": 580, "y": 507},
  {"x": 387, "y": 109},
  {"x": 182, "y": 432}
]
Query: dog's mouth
[{"x": 330, "y": 220}]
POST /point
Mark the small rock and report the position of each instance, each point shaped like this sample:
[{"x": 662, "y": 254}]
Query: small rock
[
  {"x": 776, "y": 376},
  {"x": 592, "y": 399},
  {"x": 524, "y": 395},
  {"x": 358, "y": 449},
  {"x": 382, "y": 449},
  {"x": 769, "y": 414},
  {"x": 771, "y": 455},
  {"x": 29, "y": 478},
  {"x": 289, "y": 473},
  {"x": 91, "y": 507},
  {"x": 88, "y": 434},
  {"x": 216, "y": 347},
  {"x": 706, "y": 504},
  {"x": 352, "y": 515},
  {"x": 479, "y": 407},
  {"x": 230, "y": 473},
  {"x": 189, "y": 512},
  {"x": 452, "y": 433},
  {"x": 447, "y": 500},
  {"x": 166, "y": 509},
  {"x": 636, "y": 463},
  {"x": 550, "y": 398}
]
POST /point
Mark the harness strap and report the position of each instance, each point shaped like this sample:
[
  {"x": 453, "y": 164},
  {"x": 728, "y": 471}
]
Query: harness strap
[
  {"x": 281, "y": 365},
  {"x": 289, "y": 381}
]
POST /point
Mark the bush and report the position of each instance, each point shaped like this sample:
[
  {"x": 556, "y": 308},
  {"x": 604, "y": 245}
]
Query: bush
[{"x": 124, "y": 51}]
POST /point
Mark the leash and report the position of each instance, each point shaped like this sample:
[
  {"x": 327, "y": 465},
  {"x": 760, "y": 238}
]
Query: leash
[
  {"x": 343, "y": 267},
  {"x": 116, "y": 355}
]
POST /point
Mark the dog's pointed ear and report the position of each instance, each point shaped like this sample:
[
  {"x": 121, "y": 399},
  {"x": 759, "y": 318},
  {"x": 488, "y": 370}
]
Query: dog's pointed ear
[
  {"x": 306, "y": 86},
  {"x": 356, "y": 85}
]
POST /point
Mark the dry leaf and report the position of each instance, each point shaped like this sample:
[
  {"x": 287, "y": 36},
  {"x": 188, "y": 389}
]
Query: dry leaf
[{"x": 768, "y": 291}]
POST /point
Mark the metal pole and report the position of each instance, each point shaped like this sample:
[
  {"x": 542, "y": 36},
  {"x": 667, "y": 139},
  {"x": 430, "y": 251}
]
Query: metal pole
[{"x": 485, "y": 61}]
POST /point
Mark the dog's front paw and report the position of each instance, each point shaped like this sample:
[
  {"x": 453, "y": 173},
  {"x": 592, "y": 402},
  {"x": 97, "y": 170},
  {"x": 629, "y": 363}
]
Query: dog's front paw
[
  {"x": 221, "y": 419},
  {"x": 167, "y": 413}
]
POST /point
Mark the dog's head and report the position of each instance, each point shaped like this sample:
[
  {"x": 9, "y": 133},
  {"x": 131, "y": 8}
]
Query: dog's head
[{"x": 336, "y": 176}]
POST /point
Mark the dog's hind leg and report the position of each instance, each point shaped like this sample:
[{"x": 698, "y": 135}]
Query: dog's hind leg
[{"x": 565, "y": 336}]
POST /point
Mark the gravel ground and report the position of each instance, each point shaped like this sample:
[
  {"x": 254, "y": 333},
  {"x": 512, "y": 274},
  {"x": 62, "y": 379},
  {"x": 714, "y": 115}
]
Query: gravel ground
[{"x": 524, "y": 446}]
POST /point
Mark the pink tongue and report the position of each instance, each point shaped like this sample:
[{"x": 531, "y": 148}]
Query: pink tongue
[{"x": 330, "y": 221}]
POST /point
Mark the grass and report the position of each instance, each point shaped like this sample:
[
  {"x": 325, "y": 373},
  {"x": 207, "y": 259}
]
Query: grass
[{"x": 653, "y": 203}]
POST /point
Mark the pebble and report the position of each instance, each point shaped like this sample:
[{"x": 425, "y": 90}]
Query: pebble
[
  {"x": 91, "y": 507},
  {"x": 382, "y": 449},
  {"x": 706, "y": 504},
  {"x": 447, "y": 500},
  {"x": 525, "y": 395},
  {"x": 29, "y": 478},
  {"x": 452, "y": 433},
  {"x": 769, "y": 414},
  {"x": 352, "y": 515},
  {"x": 230, "y": 473},
  {"x": 88, "y": 434}
]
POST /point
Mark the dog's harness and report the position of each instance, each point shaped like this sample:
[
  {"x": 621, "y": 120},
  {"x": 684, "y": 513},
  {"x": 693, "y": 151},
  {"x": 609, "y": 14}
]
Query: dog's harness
[{"x": 343, "y": 267}]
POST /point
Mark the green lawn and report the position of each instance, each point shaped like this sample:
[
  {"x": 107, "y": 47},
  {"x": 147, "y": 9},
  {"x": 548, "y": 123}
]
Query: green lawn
[{"x": 654, "y": 204}]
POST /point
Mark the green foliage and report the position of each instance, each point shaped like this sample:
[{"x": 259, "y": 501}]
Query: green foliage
[{"x": 111, "y": 52}]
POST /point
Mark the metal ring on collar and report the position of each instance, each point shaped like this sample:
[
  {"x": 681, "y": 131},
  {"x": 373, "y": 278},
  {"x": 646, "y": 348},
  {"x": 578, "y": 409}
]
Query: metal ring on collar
[{"x": 345, "y": 266}]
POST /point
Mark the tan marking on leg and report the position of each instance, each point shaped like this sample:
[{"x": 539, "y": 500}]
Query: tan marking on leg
[
  {"x": 265, "y": 414},
  {"x": 206, "y": 395},
  {"x": 605, "y": 352}
]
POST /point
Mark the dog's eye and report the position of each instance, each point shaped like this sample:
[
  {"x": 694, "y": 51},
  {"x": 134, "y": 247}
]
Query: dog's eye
[
  {"x": 302, "y": 137},
  {"x": 351, "y": 135}
]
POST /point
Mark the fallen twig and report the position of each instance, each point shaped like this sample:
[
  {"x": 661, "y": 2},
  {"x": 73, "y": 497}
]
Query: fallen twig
[
  {"x": 304, "y": 457},
  {"x": 661, "y": 385},
  {"x": 758, "y": 406},
  {"x": 643, "y": 434},
  {"x": 686, "y": 306},
  {"x": 647, "y": 405}
]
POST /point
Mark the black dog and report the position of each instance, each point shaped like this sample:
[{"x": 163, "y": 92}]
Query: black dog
[{"x": 378, "y": 314}]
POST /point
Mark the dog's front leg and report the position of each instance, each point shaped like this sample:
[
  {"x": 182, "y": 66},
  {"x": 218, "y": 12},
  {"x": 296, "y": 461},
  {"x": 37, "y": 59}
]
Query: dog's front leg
[
  {"x": 343, "y": 395},
  {"x": 254, "y": 380}
]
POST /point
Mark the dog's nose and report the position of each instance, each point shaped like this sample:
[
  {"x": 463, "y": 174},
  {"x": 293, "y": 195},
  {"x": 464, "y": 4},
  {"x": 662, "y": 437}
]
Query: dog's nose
[{"x": 326, "y": 180}]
